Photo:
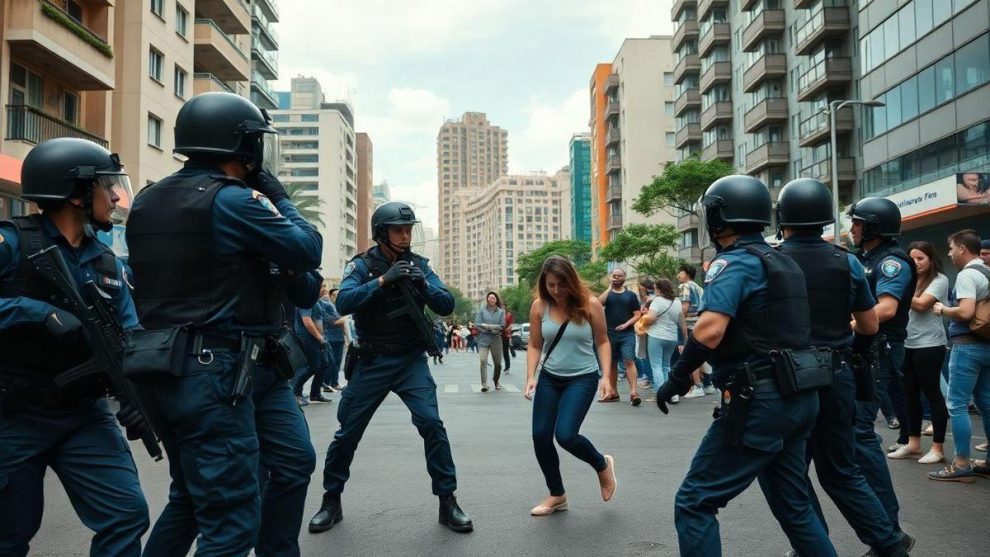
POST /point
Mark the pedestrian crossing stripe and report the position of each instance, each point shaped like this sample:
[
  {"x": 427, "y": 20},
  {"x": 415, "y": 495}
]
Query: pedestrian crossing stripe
[{"x": 451, "y": 389}]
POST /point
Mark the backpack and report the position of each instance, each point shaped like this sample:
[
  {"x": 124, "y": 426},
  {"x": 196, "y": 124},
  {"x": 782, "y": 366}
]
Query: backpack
[{"x": 980, "y": 323}]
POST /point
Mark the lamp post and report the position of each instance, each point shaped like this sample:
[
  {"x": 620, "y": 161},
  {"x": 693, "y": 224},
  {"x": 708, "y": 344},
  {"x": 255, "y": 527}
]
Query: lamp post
[{"x": 833, "y": 108}]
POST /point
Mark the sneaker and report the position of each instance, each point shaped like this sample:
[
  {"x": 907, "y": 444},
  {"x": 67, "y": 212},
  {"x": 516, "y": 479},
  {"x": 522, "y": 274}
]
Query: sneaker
[
  {"x": 695, "y": 392},
  {"x": 981, "y": 447},
  {"x": 484, "y": 388},
  {"x": 903, "y": 452},
  {"x": 896, "y": 446},
  {"x": 710, "y": 390},
  {"x": 675, "y": 399},
  {"x": 328, "y": 389},
  {"x": 932, "y": 457},
  {"x": 953, "y": 473},
  {"x": 301, "y": 401},
  {"x": 929, "y": 430},
  {"x": 981, "y": 468},
  {"x": 893, "y": 423}
]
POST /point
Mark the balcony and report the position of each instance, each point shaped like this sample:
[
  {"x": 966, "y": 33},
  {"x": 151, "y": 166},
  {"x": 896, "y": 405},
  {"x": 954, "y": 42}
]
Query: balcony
[
  {"x": 690, "y": 98},
  {"x": 746, "y": 5},
  {"x": 262, "y": 91},
  {"x": 612, "y": 109},
  {"x": 767, "y": 155},
  {"x": 716, "y": 34},
  {"x": 690, "y": 133},
  {"x": 612, "y": 83},
  {"x": 686, "y": 30},
  {"x": 613, "y": 193},
  {"x": 705, "y": 7},
  {"x": 231, "y": 16},
  {"x": 266, "y": 61},
  {"x": 769, "y": 22},
  {"x": 48, "y": 39},
  {"x": 217, "y": 53},
  {"x": 768, "y": 66},
  {"x": 815, "y": 130},
  {"x": 615, "y": 222},
  {"x": 689, "y": 63},
  {"x": 686, "y": 222},
  {"x": 691, "y": 254},
  {"x": 767, "y": 111},
  {"x": 269, "y": 7},
  {"x": 614, "y": 164},
  {"x": 830, "y": 73},
  {"x": 718, "y": 72},
  {"x": 679, "y": 6},
  {"x": 25, "y": 123},
  {"x": 718, "y": 149},
  {"x": 720, "y": 111},
  {"x": 821, "y": 171},
  {"x": 802, "y": 4},
  {"x": 828, "y": 22},
  {"x": 204, "y": 82},
  {"x": 267, "y": 31},
  {"x": 612, "y": 136}
]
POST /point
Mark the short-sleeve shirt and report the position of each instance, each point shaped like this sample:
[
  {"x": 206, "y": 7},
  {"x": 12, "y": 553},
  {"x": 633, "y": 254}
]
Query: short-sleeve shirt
[
  {"x": 668, "y": 318},
  {"x": 331, "y": 332},
  {"x": 970, "y": 284},
  {"x": 619, "y": 308},
  {"x": 689, "y": 290},
  {"x": 925, "y": 329},
  {"x": 894, "y": 278},
  {"x": 314, "y": 313}
]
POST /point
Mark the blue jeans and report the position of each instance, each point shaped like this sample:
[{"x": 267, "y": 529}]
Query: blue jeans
[
  {"x": 623, "y": 345},
  {"x": 85, "y": 448},
  {"x": 661, "y": 353},
  {"x": 890, "y": 390},
  {"x": 773, "y": 447},
  {"x": 969, "y": 376},
  {"x": 559, "y": 408},
  {"x": 314, "y": 368},
  {"x": 335, "y": 355}
]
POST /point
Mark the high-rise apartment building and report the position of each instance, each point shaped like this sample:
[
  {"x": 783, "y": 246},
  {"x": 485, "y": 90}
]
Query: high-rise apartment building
[
  {"x": 365, "y": 180},
  {"x": 580, "y": 187},
  {"x": 264, "y": 52},
  {"x": 318, "y": 156},
  {"x": 632, "y": 132},
  {"x": 471, "y": 154},
  {"x": 514, "y": 215}
]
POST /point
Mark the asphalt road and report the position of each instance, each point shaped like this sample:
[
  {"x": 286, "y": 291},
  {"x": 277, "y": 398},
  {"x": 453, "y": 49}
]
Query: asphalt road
[{"x": 389, "y": 510}]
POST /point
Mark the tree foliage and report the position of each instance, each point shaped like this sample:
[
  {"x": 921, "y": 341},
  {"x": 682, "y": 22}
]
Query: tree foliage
[
  {"x": 645, "y": 248},
  {"x": 680, "y": 186},
  {"x": 310, "y": 207},
  {"x": 528, "y": 264},
  {"x": 464, "y": 309},
  {"x": 517, "y": 299}
]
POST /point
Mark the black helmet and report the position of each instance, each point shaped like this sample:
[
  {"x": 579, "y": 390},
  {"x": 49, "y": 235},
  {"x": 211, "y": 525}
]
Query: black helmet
[
  {"x": 804, "y": 202},
  {"x": 734, "y": 200},
  {"x": 225, "y": 124},
  {"x": 390, "y": 214},
  {"x": 881, "y": 217}
]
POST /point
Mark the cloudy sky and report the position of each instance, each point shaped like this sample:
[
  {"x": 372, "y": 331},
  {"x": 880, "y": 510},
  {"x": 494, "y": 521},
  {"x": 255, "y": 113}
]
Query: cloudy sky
[{"x": 407, "y": 65}]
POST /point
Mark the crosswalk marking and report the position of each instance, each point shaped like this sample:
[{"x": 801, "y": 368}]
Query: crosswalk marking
[
  {"x": 452, "y": 388},
  {"x": 510, "y": 388},
  {"x": 476, "y": 387}
]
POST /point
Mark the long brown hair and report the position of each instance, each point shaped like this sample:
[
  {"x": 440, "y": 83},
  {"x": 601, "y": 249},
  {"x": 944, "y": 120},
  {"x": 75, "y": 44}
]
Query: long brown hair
[
  {"x": 577, "y": 293},
  {"x": 934, "y": 265},
  {"x": 665, "y": 289}
]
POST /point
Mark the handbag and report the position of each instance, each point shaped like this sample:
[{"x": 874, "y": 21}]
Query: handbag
[
  {"x": 553, "y": 344},
  {"x": 799, "y": 371},
  {"x": 979, "y": 325}
]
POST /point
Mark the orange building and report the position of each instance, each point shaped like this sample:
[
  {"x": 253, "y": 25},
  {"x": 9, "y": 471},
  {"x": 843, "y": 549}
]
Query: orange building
[{"x": 599, "y": 156}]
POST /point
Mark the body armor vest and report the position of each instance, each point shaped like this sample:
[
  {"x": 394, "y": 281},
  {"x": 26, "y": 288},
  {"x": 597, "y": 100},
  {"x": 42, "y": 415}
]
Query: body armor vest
[
  {"x": 179, "y": 277},
  {"x": 826, "y": 273},
  {"x": 783, "y": 321},
  {"x": 896, "y": 326},
  {"x": 373, "y": 324}
]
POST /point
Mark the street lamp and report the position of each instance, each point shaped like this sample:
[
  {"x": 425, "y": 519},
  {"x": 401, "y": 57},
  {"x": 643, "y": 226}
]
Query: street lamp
[{"x": 833, "y": 108}]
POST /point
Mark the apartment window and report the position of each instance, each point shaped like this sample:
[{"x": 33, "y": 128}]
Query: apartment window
[
  {"x": 155, "y": 62},
  {"x": 972, "y": 64},
  {"x": 158, "y": 8},
  {"x": 668, "y": 79},
  {"x": 154, "y": 131},
  {"x": 26, "y": 87},
  {"x": 310, "y": 117},
  {"x": 668, "y": 108},
  {"x": 670, "y": 137},
  {"x": 181, "y": 20},
  {"x": 180, "y": 82},
  {"x": 74, "y": 10},
  {"x": 70, "y": 107}
]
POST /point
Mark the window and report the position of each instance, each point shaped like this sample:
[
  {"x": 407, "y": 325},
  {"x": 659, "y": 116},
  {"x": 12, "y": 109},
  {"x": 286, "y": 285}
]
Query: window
[
  {"x": 972, "y": 64},
  {"x": 670, "y": 137},
  {"x": 155, "y": 62},
  {"x": 668, "y": 108},
  {"x": 158, "y": 8},
  {"x": 668, "y": 79},
  {"x": 926, "y": 89},
  {"x": 923, "y": 16},
  {"x": 26, "y": 87},
  {"x": 180, "y": 82},
  {"x": 181, "y": 20},
  {"x": 944, "y": 80},
  {"x": 893, "y": 108},
  {"x": 154, "y": 131},
  {"x": 310, "y": 117},
  {"x": 70, "y": 107},
  {"x": 909, "y": 99},
  {"x": 74, "y": 10}
]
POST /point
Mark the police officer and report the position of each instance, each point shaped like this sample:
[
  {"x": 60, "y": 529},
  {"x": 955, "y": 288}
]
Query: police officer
[
  {"x": 837, "y": 290},
  {"x": 890, "y": 271},
  {"x": 390, "y": 359},
  {"x": 757, "y": 431},
  {"x": 212, "y": 248},
  {"x": 76, "y": 184}
]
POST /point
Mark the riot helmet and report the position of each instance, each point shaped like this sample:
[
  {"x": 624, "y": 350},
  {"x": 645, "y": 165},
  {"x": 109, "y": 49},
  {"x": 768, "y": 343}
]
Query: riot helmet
[
  {"x": 804, "y": 202},
  {"x": 881, "y": 217},
  {"x": 739, "y": 201},
  {"x": 226, "y": 125},
  {"x": 65, "y": 168},
  {"x": 393, "y": 213}
]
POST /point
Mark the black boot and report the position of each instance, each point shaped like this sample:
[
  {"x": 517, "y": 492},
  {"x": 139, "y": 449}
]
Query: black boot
[
  {"x": 330, "y": 513},
  {"x": 452, "y": 516}
]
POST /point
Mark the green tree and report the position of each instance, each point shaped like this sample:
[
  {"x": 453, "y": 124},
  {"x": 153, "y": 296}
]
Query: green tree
[
  {"x": 680, "y": 186},
  {"x": 309, "y": 206},
  {"x": 517, "y": 299},
  {"x": 528, "y": 264},
  {"x": 464, "y": 309},
  {"x": 645, "y": 247}
]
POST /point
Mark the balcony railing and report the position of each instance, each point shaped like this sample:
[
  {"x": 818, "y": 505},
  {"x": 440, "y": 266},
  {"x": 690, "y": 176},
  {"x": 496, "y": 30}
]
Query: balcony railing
[
  {"x": 690, "y": 254},
  {"x": 690, "y": 133},
  {"x": 270, "y": 8},
  {"x": 766, "y": 155},
  {"x": 612, "y": 136},
  {"x": 771, "y": 109},
  {"x": 615, "y": 221},
  {"x": 815, "y": 129},
  {"x": 612, "y": 109},
  {"x": 769, "y": 22},
  {"x": 686, "y": 30},
  {"x": 689, "y": 63},
  {"x": 614, "y": 164},
  {"x": 678, "y": 7},
  {"x": 824, "y": 23},
  {"x": 690, "y": 98},
  {"x": 259, "y": 82},
  {"x": 714, "y": 34},
  {"x": 719, "y": 111},
  {"x": 611, "y": 83},
  {"x": 822, "y": 170},
  {"x": 768, "y": 66},
  {"x": 214, "y": 80},
  {"x": 717, "y": 72},
  {"x": 705, "y": 7},
  {"x": 613, "y": 193},
  {"x": 267, "y": 59},
  {"x": 827, "y": 74},
  {"x": 26, "y": 123},
  {"x": 267, "y": 27},
  {"x": 718, "y": 149},
  {"x": 687, "y": 222}
]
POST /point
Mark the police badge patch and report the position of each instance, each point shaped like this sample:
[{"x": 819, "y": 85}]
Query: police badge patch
[
  {"x": 714, "y": 269},
  {"x": 890, "y": 268},
  {"x": 348, "y": 269}
]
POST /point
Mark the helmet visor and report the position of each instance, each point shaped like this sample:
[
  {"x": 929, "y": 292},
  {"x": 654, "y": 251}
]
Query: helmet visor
[
  {"x": 271, "y": 153},
  {"x": 118, "y": 185}
]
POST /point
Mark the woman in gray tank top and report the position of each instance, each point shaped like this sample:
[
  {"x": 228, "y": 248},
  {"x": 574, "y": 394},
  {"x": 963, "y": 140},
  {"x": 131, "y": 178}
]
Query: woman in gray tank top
[{"x": 568, "y": 378}]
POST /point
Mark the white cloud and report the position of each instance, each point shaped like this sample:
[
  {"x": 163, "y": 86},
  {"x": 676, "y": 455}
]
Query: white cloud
[
  {"x": 422, "y": 197},
  {"x": 619, "y": 19},
  {"x": 542, "y": 143},
  {"x": 336, "y": 86}
]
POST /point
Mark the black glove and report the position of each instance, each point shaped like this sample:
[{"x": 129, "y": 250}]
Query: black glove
[
  {"x": 401, "y": 270},
  {"x": 670, "y": 388},
  {"x": 130, "y": 418},
  {"x": 268, "y": 185},
  {"x": 65, "y": 329},
  {"x": 418, "y": 277}
]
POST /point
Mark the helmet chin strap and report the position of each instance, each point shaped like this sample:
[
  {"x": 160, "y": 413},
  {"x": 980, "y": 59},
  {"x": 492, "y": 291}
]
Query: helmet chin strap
[{"x": 88, "y": 211}]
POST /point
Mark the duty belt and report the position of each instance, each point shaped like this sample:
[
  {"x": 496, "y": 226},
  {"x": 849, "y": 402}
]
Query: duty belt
[
  {"x": 370, "y": 348},
  {"x": 756, "y": 374}
]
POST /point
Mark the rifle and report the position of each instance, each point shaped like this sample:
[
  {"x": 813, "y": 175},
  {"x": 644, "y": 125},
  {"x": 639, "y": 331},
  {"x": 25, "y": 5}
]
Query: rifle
[
  {"x": 415, "y": 311},
  {"x": 105, "y": 335}
]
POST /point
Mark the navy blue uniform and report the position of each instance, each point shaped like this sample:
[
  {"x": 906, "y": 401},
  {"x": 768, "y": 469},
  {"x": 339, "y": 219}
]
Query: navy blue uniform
[
  {"x": 406, "y": 374},
  {"x": 774, "y": 438},
  {"x": 81, "y": 441},
  {"x": 314, "y": 350},
  {"x": 239, "y": 473},
  {"x": 334, "y": 335}
]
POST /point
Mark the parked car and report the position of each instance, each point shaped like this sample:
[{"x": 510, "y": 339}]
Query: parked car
[
  {"x": 515, "y": 338},
  {"x": 523, "y": 336}
]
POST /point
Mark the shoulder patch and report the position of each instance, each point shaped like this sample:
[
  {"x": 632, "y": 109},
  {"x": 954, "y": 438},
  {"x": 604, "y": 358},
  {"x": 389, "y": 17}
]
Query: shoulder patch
[
  {"x": 715, "y": 269},
  {"x": 890, "y": 268},
  {"x": 348, "y": 269},
  {"x": 1, "y": 238},
  {"x": 266, "y": 202}
]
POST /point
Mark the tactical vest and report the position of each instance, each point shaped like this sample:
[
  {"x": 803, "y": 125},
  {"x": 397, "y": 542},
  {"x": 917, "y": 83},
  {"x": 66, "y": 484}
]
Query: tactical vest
[
  {"x": 896, "y": 326},
  {"x": 826, "y": 273},
  {"x": 373, "y": 324},
  {"x": 178, "y": 276},
  {"x": 784, "y": 320}
]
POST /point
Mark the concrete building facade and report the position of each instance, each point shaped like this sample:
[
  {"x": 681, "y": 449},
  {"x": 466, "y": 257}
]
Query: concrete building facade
[
  {"x": 580, "y": 187},
  {"x": 264, "y": 53},
  {"x": 471, "y": 154},
  {"x": 365, "y": 178}
]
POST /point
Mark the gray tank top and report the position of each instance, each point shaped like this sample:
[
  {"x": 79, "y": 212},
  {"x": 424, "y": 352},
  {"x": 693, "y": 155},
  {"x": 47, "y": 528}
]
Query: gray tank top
[{"x": 574, "y": 354}]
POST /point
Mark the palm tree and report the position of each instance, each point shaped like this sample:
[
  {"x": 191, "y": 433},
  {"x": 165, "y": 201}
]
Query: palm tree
[{"x": 309, "y": 206}]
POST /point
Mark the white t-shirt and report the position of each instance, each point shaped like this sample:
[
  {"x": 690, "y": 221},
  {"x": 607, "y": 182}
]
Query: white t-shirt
[
  {"x": 668, "y": 320},
  {"x": 971, "y": 283},
  {"x": 925, "y": 329}
]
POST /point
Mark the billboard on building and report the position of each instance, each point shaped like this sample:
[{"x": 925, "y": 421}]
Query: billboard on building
[{"x": 973, "y": 188}]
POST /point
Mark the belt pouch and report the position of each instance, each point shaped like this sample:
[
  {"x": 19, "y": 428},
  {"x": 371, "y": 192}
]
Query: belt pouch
[
  {"x": 735, "y": 407},
  {"x": 350, "y": 361},
  {"x": 155, "y": 354},
  {"x": 798, "y": 371},
  {"x": 286, "y": 352}
]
